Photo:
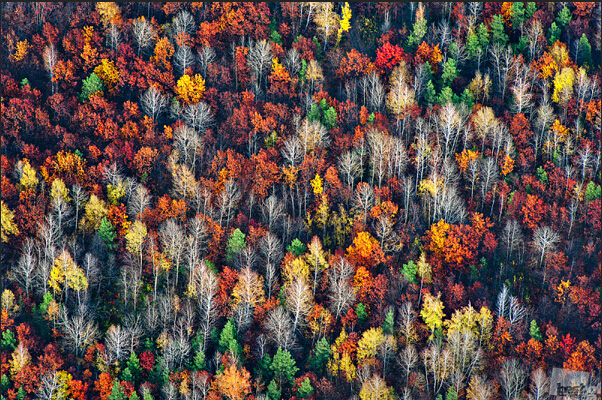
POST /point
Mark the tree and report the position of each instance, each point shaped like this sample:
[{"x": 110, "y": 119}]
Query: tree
[
  {"x": 299, "y": 301},
  {"x": 92, "y": 85},
  {"x": 144, "y": 33},
  {"x": 512, "y": 378},
  {"x": 79, "y": 332},
  {"x": 284, "y": 368},
  {"x": 320, "y": 355},
  {"x": 234, "y": 383},
  {"x": 327, "y": 21},
  {"x": 9, "y": 227},
  {"x": 342, "y": 295},
  {"x": 228, "y": 340},
  {"x": 153, "y": 102},
  {"x": 107, "y": 233},
  {"x": 190, "y": 89},
  {"x": 305, "y": 390},
  {"x": 544, "y": 240},
  {"x": 236, "y": 244},
  {"x": 498, "y": 31},
  {"x": 432, "y": 312},
  {"x": 375, "y": 388},
  {"x": 117, "y": 392}
]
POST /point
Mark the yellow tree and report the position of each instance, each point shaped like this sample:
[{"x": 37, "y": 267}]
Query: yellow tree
[
  {"x": 109, "y": 12},
  {"x": 563, "y": 85},
  {"x": 432, "y": 312},
  {"x": 20, "y": 359},
  {"x": 344, "y": 22},
  {"x": 135, "y": 238},
  {"x": 29, "y": 179},
  {"x": 22, "y": 49},
  {"x": 190, "y": 89},
  {"x": 58, "y": 190},
  {"x": 248, "y": 289},
  {"x": 327, "y": 21},
  {"x": 95, "y": 210},
  {"x": 67, "y": 274},
  {"x": 108, "y": 73},
  {"x": 375, "y": 388},
  {"x": 9, "y": 227},
  {"x": 369, "y": 343},
  {"x": 234, "y": 383}
]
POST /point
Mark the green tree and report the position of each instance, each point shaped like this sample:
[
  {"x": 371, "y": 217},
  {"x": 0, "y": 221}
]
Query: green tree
[
  {"x": 107, "y": 233},
  {"x": 449, "y": 71},
  {"x": 483, "y": 35},
  {"x": 389, "y": 323},
  {"x": 553, "y": 33},
  {"x": 284, "y": 367},
  {"x": 420, "y": 29},
  {"x": 467, "y": 98},
  {"x": 320, "y": 356},
  {"x": 4, "y": 382},
  {"x": 530, "y": 9},
  {"x": 429, "y": 93},
  {"x": 534, "y": 331},
  {"x": 305, "y": 389},
  {"x": 564, "y": 17},
  {"x": 592, "y": 191},
  {"x": 585, "y": 51},
  {"x": 409, "y": 271},
  {"x": 134, "y": 396},
  {"x": 451, "y": 394},
  {"x": 20, "y": 393},
  {"x": 296, "y": 247},
  {"x": 498, "y": 31},
  {"x": 274, "y": 392},
  {"x": 91, "y": 85},
  {"x": 445, "y": 96},
  {"x": 361, "y": 313},
  {"x": 518, "y": 17},
  {"x": 329, "y": 118},
  {"x": 133, "y": 364},
  {"x": 198, "y": 362},
  {"x": 126, "y": 375},
  {"x": 117, "y": 392},
  {"x": 236, "y": 244},
  {"x": 9, "y": 342},
  {"x": 228, "y": 340},
  {"x": 473, "y": 47},
  {"x": 542, "y": 175}
]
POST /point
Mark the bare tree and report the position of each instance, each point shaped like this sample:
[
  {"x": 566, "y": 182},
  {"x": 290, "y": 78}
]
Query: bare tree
[
  {"x": 24, "y": 271},
  {"x": 183, "y": 58},
  {"x": 144, "y": 33},
  {"x": 407, "y": 360},
  {"x": 113, "y": 39},
  {"x": 226, "y": 202},
  {"x": 272, "y": 211},
  {"x": 203, "y": 285},
  {"x": 271, "y": 250},
  {"x": 259, "y": 60},
  {"x": 50, "y": 59},
  {"x": 116, "y": 340},
  {"x": 139, "y": 201},
  {"x": 363, "y": 199},
  {"x": 522, "y": 95},
  {"x": 49, "y": 385},
  {"x": 79, "y": 331},
  {"x": 280, "y": 329},
  {"x": 516, "y": 312},
  {"x": 437, "y": 366},
  {"x": 512, "y": 378},
  {"x": 349, "y": 166},
  {"x": 153, "y": 102},
  {"x": 188, "y": 144},
  {"x": 544, "y": 240},
  {"x": 292, "y": 61},
  {"x": 292, "y": 151},
  {"x": 479, "y": 389},
  {"x": 206, "y": 56},
  {"x": 198, "y": 116},
  {"x": 183, "y": 23},
  {"x": 312, "y": 134},
  {"x": 341, "y": 293},
  {"x": 540, "y": 385},
  {"x": 80, "y": 197},
  {"x": 512, "y": 237},
  {"x": 173, "y": 241},
  {"x": 299, "y": 301}
]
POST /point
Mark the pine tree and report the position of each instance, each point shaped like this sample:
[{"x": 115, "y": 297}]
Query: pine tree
[
  {"x": 430, "y": 94},
  {"x": 498, "y": 32},
  {"x": 534, "y": 331},
  {"x": 198, "y": 363},
  {"x": 305, "y": 389},
  {"x": 228, "y": 340},
  {"x": 284, "y": 367},
  {"x": 449, "y": 72},
  {"x": 274, "y": 392},
  {"x": 320, "y": 356},
  {"x": 133, "y": 364},
  {"x": 296, "y": 247},
  {"x": 389, "y": 323},
  {"x": 564, "y": 17},
  {"x": 445, "y": 96},
  {"x": 585, "y": 50},
  {"x": 107, "y": 233},
  {"x": 117, "y": 392},
  {"x": 361, "y": 313},
  {"x": 92, "y": 84},
  {"x": 553, "y": 33}
]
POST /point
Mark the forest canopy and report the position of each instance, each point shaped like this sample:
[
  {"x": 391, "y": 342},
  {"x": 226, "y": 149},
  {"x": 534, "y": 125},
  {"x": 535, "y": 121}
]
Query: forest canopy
[{"x": 299, "y": 200}]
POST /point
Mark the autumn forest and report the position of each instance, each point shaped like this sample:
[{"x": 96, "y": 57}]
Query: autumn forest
[{"x": 299, "y": 200}]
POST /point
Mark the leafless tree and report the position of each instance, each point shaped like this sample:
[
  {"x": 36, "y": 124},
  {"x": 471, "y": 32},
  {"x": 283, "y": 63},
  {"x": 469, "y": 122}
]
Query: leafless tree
[
  {"x": 450, "y": 122},
  {"x": 380, "y": 153},
  {"x": 80, "y": 197},
  {"x": 544, "y": 240},
  {"x": 349, "y": 166},
  {"x": 183, "y": 58},
  {"x": 183, "y": 23},
  {"x": 79, "y": 330},
  {"x": 363, "y": 199},
  {"x": 341, "y": 293},
  {"x": 280, "y": 329},
  {"x": 512, "y": 378},
  {"x": 407, "y": 360},
  {"x": 512, "y": 237},
  {"x": 226, "y": 202},
  {"x": 375, "y": 91},
  {"x": 299, "y": 301},
  {"x": 437, "y": 363},
  {"x": 117, "y": 343},
  {"x": 153, "y": 102},
  {"x": 292, "y": 151},
  {"x": 292, "y": 61},
  {"x": 271, "y": 251},
  {"x": 479, "y": 389},
  {"x": 49, "y": 385},
  {"x": 516, "y": 312},
  {"x": 144, "y": 33},
  {"x": 540, "y": 385},
  {"x": 24, "y": 271},
  {"x": 198, "y": 116},
  {"x": 206, "y": 56},
  {"x": 50, "y": 59},
  {"x": 169, "y": 391},
  {"x": 139, "y": 201},
  {"x": 113, "y": 39},
  {"x": 522, "y": 95},
  {"x": 259, "y": 60},
  {"x": 188, "y": 144},
  {"x": 272, "y": 211},
  {"x": 204, "y": 284},
  {"x": 503, "y": 301},
  {"x": 502, "y": 59},
  {"x": 173, "y": 241}
]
